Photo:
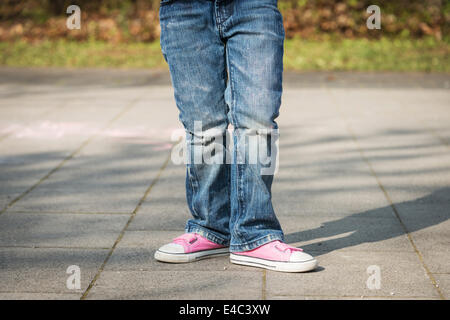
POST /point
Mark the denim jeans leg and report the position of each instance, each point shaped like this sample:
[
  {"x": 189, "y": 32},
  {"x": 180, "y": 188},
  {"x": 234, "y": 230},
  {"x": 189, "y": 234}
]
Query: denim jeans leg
[
  {"x": 195, "y": 54},
  {"x": 199, "y": 40},
  {"x": 254, "y": 46}
]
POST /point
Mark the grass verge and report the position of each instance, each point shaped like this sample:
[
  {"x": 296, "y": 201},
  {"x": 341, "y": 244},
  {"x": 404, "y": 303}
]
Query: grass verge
[{"x": 428, "y": 55}]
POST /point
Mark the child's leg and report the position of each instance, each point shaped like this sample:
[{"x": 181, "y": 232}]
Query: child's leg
[
  {"x": 255, "y": 35},
  {"x": 196, "y": 56}
]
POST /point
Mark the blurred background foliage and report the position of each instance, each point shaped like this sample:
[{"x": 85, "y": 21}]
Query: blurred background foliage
[
  {"x": 321, "y": 34},
  {"x": 137, "y": 20}
]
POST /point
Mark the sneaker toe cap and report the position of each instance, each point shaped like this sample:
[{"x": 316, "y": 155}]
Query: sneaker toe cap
[
  {"x": 172, "y": 248},
  {"x": 299, "y": 256}
]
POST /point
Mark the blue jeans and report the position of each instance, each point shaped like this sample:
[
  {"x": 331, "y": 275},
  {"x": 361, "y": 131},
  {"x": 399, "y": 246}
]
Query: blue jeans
[{"x": 226, "y": 63}]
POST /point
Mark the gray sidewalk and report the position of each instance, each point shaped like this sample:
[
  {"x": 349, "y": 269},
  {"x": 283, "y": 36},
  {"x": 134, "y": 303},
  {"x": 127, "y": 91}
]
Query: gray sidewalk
[{"x": 86, "y": 179}]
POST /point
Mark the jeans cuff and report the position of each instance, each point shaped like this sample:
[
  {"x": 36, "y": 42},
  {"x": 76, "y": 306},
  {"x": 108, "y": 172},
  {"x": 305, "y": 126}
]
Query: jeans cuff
[
  {"x": 206, "y": 233},
  {"x": 256, "y": 243}
]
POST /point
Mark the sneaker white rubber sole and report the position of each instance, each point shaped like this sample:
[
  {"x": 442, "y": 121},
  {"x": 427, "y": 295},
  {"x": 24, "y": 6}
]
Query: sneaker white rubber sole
[
  {"x": 189, "y": 257},
  {"x": 281, "y": 266}
]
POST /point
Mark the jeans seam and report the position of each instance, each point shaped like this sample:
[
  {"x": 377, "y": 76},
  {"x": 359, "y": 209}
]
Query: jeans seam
[
  {"x": 259, "y": 179},
  {"x": 189, "y": 177},
  {"x": 217, "y": 18},
  {"x": 233, "y": 103}
]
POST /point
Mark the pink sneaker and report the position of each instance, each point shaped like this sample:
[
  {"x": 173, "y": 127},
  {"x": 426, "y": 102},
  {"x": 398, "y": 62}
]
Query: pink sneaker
[
  {"x": 277, "y": 256},
  {"x": 189, "y": 247}
]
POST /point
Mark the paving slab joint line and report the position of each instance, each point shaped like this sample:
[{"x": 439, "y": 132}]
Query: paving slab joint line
[
  {"x": 70, "y": 156},
  {"x": 405, "y": 229},
  {"x": 122, "y": 232},
  {"x": 388, "y": 198}
]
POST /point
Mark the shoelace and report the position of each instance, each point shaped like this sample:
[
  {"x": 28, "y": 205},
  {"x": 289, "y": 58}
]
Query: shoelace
[
  {"x": 190, "y": 238},
  {"x": 283, "y": 247}
]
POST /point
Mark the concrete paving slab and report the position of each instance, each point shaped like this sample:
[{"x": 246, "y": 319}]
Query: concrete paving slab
[
  {"x": 216, "y": 285},
  {"x": 38, "y": 296},
  {"x": 443, "y": 281},
  {"x": 165, "y": 208},
  {"x": 110, "y": 174},
  {"x": 321, "y": 170},
  {"x": 162, "y": 215},
  {"x": 325, "y": 297},
  {"x": 112, "y": 183},
  {"x": 60, "y": 230},
  {"x": 43, "y": 270},
  {"x": 410, "y": 160},
  {"x": 33, "y": 150},
  {"x": 345, "y": 273},
  {"x": 356, "y": 233},
  {"x": 430, "y": 233},
  {"x": 436, "y": 260},
  {"x": 428, "y": 225},
  {"x": 19, "y": 113},
  {"x": 311, "y": 199}
]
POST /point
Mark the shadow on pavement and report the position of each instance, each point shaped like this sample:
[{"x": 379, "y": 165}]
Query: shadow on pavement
[{"x": 415, "y": 215}]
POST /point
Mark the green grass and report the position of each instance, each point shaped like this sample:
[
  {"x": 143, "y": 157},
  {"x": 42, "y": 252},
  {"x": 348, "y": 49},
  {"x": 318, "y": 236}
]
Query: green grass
[
  {"x": 88, "y": 54},
  {"x": 385, "y": 54}
]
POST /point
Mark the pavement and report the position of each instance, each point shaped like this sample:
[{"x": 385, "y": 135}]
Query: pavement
[{"x": 88, "y": 190}]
